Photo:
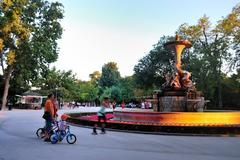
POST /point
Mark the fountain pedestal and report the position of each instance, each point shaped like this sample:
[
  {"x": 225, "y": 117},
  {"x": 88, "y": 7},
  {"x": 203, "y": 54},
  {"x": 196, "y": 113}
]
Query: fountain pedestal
[{"x": 180, "y": 101}]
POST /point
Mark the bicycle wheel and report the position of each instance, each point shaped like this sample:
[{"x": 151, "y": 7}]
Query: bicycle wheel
[
  {"x": 71, "y": 138},
  {"x": 40, "y": 132},
  {"x": 54, "y": 138}
]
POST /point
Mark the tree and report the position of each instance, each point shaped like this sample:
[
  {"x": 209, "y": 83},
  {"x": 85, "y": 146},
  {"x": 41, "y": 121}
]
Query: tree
[
  {"x": 229, "y": 27},
  {"x": 212, "y": 48},
  {"x": 94, "y": 77},
  {"x": 231, "y": 91},
  {"x": 151, "y": 69},
  {"x": 110, "y": 75},
  {"x": 86, "y": 91},
  {"x": 62, "y": 83},
  {"x": 29, "y": 31},
  {"x": 114, "y": 93},
  {"x": 127, "y": 86}
]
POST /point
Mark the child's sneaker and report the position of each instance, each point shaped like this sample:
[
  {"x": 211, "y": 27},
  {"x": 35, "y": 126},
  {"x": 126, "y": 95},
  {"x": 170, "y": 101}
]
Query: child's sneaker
[
  {"x": 94, "y": 130},
  {"x": 103, "y": 130}
]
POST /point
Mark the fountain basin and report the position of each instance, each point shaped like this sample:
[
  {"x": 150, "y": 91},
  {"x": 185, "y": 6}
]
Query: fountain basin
[
  {"x": 176, "y": 123},
  {"x": 180, "y": 118}
]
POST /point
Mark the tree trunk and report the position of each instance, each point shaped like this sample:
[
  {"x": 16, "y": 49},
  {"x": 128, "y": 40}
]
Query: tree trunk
[
  {"x": 220, "y": 105},
  {"x": 6, "y": 86}
]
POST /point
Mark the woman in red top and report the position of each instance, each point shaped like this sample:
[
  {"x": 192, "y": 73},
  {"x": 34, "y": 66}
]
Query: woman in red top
[{"x": 49, "y": 111}]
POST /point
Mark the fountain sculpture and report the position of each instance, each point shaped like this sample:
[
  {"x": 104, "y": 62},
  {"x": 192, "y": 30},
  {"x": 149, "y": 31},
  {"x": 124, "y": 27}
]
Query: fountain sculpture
[{"x": 178, "y": 93}]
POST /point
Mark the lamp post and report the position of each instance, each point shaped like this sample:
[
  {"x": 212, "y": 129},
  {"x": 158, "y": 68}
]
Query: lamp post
[{"x": 56, "y": 97}]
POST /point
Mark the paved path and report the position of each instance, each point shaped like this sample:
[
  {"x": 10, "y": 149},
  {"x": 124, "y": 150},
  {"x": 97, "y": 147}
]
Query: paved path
[{"x": 19, "y": 142}]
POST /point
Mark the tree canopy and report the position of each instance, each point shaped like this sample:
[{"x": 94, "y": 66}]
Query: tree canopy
[
  {"x": 151, "y": 69},
  {"x": 110, "y": 75},
  {"x": 214, "y": 54},
  {"x": 215, "y": 48},
  {"x": 29, "y": 31}
]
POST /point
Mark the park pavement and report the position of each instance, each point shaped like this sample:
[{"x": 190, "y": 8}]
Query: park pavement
[{"x": 18, "y": 141}]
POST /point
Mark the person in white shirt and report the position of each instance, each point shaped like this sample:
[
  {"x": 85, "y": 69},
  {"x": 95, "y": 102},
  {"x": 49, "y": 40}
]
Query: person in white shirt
[{"x": 102, "y": 116}]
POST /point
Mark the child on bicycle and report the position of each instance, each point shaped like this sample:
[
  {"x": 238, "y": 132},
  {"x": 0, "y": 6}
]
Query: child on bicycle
[{"x": 63, "y": 124}]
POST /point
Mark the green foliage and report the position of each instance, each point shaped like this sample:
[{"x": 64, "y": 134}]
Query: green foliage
[
  {"x": 214, "y": 47},
  {"x": 95, "y": 77},
  {"x": 231, "y": 91},
  {"x": 127, "y": 86},
  {"x": 62, "y": 83},
  {"x": 116, "y": 93},
  {"x": 35, "y": 24},
  {"x": 67, "y": 87},
  {"x": 86, "y": 91},
  {"x": 29, "y": 31},
  {"x": 110, "y": 75},
  {"x": 229, "y": 26},
  {"x": 150, "y": 70},
  {"x": 113, "y": 92},
  {"x": 123, "y": 91}
]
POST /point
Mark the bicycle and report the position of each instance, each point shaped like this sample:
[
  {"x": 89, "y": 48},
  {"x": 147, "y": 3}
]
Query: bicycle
[
  {"x": 59, "y": 135},
  {"x": 41, "y": 131}
]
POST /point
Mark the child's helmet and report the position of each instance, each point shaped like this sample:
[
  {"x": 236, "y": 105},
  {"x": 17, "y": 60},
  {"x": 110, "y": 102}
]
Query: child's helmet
[{"x": 64, "y": 117}]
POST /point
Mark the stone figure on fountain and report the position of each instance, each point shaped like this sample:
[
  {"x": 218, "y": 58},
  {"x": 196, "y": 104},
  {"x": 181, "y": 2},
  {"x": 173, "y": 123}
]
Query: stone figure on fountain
[{"x": 178, "y": 81}]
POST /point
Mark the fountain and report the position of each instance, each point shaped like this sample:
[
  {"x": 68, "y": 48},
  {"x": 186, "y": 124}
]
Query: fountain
[
  {"x": 178, "y": 107},
  {"x": 178, "y": 93}
]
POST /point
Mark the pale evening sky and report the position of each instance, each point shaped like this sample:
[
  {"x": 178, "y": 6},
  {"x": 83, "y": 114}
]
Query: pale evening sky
[{"x": 123, "y": 31}]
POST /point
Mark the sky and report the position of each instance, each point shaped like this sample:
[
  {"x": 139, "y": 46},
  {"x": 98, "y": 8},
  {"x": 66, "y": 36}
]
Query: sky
[{"x": 124, "y": 31}]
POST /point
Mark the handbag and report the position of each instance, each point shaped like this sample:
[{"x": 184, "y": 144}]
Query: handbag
[{"x": 46, "y": 115}]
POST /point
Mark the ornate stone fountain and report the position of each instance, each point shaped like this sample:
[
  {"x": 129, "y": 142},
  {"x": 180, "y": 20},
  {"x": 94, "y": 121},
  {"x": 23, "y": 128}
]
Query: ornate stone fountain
[
  {"x": 178, "y": 93},
  {"x": 175, "y": 108}
]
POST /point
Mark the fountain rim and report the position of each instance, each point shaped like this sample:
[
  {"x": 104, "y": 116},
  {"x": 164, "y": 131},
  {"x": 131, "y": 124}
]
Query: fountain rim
[
  {"x": 177, "y": 112},
  {"x": 165, "y": 127}
]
